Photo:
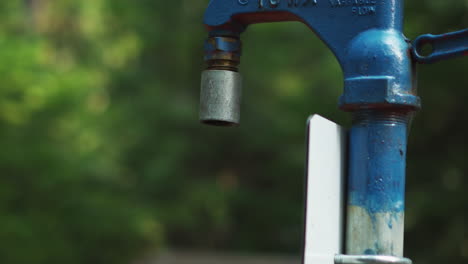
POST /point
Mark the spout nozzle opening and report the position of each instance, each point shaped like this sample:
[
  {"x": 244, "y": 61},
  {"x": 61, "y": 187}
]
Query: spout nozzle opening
[{"x": 219, "y": 123}]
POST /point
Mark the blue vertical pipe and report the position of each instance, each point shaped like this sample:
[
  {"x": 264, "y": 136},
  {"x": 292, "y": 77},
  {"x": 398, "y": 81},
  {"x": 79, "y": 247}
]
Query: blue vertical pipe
[{"x": 376, "y": 187}]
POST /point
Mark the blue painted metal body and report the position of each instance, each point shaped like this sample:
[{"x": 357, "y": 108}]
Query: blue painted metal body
[
  {"x": 377, "y": 161},
  {"x": 376, "y": 59},
  {"x": 365, "y": 36}
]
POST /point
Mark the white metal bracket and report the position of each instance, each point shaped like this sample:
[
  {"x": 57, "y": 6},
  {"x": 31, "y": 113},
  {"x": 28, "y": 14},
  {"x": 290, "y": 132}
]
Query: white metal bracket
[{"x": 324, "y": 206}]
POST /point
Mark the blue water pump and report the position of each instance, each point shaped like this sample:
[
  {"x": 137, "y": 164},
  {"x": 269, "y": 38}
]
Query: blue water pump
[{"x": 378, "y": 64}]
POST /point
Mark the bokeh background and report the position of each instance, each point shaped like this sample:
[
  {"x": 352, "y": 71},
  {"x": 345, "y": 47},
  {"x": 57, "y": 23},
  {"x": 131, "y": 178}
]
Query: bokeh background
[{"x": 102, "y": 158}]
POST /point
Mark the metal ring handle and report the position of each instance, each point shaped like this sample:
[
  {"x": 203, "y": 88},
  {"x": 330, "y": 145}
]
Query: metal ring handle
[{"x": 445, "y": 46}]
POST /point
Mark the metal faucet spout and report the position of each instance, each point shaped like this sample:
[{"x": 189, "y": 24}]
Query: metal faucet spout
[
  {"x": 221, "y": 83},
  {"x": 220, "y": 97}
]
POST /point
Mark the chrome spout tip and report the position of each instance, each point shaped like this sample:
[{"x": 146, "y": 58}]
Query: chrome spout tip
[{"x": 220, "y": 97}]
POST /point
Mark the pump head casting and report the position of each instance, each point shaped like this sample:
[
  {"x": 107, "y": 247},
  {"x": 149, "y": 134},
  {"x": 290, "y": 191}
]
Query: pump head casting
[{"x": 365, "y": 36}]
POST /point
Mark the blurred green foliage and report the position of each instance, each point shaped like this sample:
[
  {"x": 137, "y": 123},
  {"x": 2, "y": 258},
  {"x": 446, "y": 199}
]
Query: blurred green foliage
[{"x": 102, "y": 158}]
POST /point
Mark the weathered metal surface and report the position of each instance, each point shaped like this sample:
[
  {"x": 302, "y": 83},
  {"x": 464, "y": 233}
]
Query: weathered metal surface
[
  {"x": 365, "y": 259},
  {"x": 376, "y": 187},
  {"x": 374, "y": 233},
  {"x": 442, "y": 47},
  {"x": 220, "y": 97}
]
